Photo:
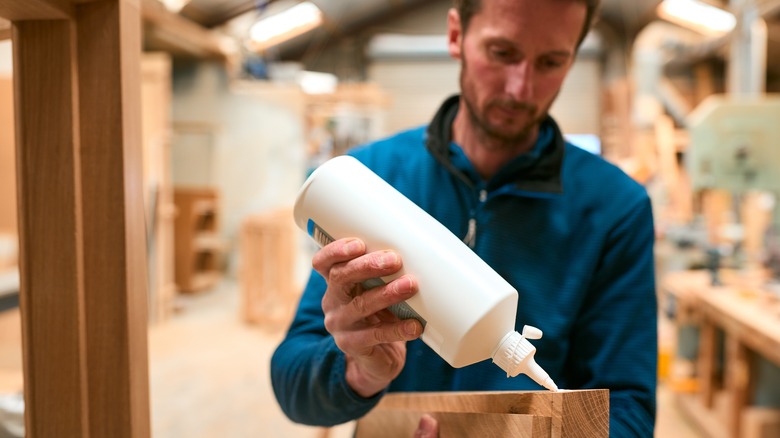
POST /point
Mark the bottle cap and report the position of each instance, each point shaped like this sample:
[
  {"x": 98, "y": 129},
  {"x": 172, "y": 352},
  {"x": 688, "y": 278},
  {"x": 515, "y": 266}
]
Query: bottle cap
[{"x": 515, "y": 355}]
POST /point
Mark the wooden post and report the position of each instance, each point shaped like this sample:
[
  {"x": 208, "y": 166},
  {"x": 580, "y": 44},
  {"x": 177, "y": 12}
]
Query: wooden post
[
  {"x": 115, "y": 281},
  {"x": 737, "y": 382},
  {"x": 82, "y": 256},
  {"x": 50, "y": 229},
  {"x": 708, "y": 353},
  {"x": 565, "y": 414}
]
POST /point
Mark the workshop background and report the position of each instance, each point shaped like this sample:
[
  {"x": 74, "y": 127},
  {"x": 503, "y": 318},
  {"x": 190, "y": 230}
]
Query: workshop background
[{"x": 236, "y": 111}]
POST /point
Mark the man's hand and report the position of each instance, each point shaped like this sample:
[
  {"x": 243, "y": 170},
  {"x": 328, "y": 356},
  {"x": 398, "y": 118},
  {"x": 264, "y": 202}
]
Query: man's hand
[{"x": 372, "y": 338}]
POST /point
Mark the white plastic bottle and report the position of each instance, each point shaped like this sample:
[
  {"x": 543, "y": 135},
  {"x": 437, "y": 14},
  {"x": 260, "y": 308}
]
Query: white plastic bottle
[{"x": 466, "y": 308}]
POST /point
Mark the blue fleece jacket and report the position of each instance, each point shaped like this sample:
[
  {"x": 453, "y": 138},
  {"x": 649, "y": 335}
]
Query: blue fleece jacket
[{"x": 570, "y": 231}]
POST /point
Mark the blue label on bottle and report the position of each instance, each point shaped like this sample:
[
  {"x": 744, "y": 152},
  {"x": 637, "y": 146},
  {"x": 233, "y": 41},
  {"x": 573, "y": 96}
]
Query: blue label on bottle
[{"x": 318, "y": 234}]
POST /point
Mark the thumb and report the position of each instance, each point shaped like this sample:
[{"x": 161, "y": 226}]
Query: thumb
[{"x": 428, "y": 427}]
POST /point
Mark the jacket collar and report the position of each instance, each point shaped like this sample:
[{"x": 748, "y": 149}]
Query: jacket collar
[{"x": 537, "y": 171}]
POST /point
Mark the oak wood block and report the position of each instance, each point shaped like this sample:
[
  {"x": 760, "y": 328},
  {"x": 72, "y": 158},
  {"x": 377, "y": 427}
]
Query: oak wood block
[{"x": 494, "y": 413}]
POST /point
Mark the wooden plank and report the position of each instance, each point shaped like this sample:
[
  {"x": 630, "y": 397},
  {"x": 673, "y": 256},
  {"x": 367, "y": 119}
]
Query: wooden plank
[
  {"x": 571, "y": 413},
  {"x": 403, "y": 423},
  {"x": 115, "y": 281},
  {"x": 16, "y": 10},
  {"x": 50, "y": 229}
]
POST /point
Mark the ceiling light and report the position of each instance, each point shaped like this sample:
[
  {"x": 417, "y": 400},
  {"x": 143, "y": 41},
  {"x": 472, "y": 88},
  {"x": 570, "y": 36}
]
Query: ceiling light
[
  {"x": 272, "y": 30},
  {"x": 697, "y": 15},
  {"x": 174, "y": 5},
  {"x": 312, "y": 82}
]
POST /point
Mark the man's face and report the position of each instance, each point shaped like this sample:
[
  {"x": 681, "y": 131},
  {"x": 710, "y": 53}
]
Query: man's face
[{"x": 514, "y": 57}]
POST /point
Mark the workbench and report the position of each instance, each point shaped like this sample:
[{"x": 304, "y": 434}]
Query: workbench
[{"x": 748, "y": 317}]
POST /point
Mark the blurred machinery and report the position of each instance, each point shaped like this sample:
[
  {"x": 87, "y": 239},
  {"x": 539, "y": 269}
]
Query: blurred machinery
[{"x": 735, "y": 147}]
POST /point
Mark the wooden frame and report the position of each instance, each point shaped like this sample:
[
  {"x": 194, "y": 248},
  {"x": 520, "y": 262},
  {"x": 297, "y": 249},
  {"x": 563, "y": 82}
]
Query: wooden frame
[
  {"x": 526, "y": 414},
  {"x": 82, "y": 247}
]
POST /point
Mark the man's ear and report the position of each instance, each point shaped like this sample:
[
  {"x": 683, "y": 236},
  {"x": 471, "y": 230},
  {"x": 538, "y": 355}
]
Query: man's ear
[{"x": 454, "y": 33}]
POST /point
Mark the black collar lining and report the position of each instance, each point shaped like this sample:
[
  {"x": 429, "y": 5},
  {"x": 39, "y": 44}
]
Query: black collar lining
[{"x": 541, "y": 174}]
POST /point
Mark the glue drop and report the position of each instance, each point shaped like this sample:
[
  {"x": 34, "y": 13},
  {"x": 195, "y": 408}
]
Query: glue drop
[{"x": 467, "y": 310}]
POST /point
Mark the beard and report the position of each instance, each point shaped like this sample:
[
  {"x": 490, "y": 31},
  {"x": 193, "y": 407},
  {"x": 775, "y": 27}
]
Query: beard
[{"x": 508, "y": 134}]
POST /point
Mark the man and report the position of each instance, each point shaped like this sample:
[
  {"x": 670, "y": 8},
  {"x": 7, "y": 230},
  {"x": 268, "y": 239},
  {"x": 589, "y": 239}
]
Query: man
[{"x": 572, "y": 233}]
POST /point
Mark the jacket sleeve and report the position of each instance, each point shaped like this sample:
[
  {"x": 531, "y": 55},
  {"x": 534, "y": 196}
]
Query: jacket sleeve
[
  {"x": 614, "y": 344},
  {"x": 308, "y": 370}
]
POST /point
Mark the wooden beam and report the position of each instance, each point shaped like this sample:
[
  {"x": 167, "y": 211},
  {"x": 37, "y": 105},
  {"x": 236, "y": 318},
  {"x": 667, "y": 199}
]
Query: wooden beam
[
  {"x": 216, "y": 16},
  {"x": 16, "y": 10},
  {"x": 181, "y": 34},
  {"x": 115, "y": 280},
  {"x": 50, "y": 228}
]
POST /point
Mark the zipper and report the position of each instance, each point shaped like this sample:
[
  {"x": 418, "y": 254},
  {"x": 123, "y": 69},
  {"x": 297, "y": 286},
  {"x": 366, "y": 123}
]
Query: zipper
[{"x": 471, "y": 234}]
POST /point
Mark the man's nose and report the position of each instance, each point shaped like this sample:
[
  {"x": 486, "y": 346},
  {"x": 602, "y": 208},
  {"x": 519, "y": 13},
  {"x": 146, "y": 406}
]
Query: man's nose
[{"x": 520, "y": 81}]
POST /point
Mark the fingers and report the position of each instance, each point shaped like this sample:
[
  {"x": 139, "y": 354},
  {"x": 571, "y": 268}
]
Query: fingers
[
  {"x": 427, "y": 428},
  {"x": 339, "y": 251},
  {"x": 345, "y": 266},
  {"x": 362, "y": 342},
  {"x": 378, "y": 298},
  {"x": 373, "y": 265},
  {"x": 364, "y": 321}
]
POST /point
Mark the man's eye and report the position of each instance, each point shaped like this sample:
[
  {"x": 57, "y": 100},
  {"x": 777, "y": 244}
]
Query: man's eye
[
  {"x": 501, "y": 54},
  {"x": 550, "y": 64}
]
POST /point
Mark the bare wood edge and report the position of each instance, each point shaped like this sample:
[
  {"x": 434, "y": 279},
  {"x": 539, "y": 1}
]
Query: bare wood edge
[{"x": 494, "y": 401}]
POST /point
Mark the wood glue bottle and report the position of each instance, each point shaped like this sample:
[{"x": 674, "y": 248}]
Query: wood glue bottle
[{"x": 467, "y": 310}]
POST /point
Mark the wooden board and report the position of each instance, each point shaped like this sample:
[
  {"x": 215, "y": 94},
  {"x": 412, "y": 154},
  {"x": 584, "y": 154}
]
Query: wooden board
[{"x": 537, "y": 413}]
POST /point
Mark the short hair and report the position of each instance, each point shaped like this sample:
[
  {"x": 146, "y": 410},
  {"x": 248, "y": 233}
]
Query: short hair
[{"x": 467, "y": 8}]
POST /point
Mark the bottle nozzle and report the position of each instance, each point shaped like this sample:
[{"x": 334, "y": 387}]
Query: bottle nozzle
[{"x": 515, "y": 355}]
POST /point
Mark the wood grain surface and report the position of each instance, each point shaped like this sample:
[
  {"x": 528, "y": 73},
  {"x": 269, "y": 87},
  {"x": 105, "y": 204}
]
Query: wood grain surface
[{"x": 538, "y": 413}]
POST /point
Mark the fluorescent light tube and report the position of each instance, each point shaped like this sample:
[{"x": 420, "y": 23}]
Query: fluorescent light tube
[
  {"x": 697, "y": 15},
  {"x": 287, "y": 24}
]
